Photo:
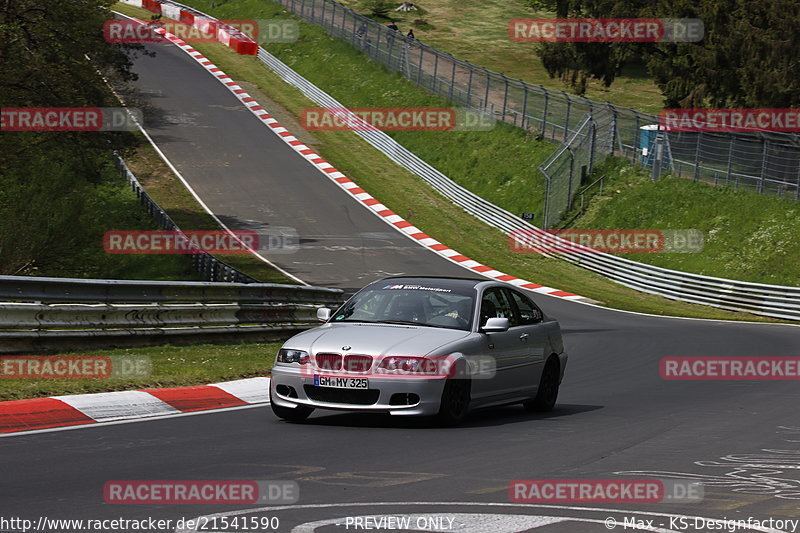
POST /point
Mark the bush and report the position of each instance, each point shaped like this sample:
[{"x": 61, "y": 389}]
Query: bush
[{"x": 380, "y": 8}]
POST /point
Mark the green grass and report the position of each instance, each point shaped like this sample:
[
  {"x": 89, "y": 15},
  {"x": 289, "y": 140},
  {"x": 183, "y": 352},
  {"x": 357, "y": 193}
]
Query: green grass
[
  {"x": 748, "y": 236},
  {"x": 398, "y": 189},
  {"x": 172, "y": 366},
  {"x": 477, "y": 31}
]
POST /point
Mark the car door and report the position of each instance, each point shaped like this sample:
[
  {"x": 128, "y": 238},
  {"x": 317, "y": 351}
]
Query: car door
[
  {"x": 533, "y": 336},
  {"x": 505, "y": 348}
]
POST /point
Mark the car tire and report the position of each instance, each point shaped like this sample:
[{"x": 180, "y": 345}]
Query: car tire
[
  {"x": 290, "y": 414},
  {"x": 548, "y": 389},
  {"x": 454, "y": 405}
]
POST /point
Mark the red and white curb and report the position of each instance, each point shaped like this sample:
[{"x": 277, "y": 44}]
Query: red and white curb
[
  {"x": 390, "y": 217},
  {"x": 82, "y": 409}
]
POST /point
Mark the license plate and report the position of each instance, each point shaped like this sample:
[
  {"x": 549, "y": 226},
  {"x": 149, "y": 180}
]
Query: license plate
[{"x": 341, "y": 383}]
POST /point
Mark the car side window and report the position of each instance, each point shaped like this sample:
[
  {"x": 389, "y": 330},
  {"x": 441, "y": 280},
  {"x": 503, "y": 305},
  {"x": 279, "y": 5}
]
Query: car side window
[
  {"x": 528, "y": 312},
  {"x": 495, "y": 304}
]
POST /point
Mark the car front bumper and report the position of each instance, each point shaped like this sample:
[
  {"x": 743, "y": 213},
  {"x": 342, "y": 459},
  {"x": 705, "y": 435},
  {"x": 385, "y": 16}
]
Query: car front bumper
[{"x": 291, "y": 387}]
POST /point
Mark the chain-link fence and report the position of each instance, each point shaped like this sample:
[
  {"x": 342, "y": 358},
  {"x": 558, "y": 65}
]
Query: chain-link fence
[{"x": 766, "y": 162}]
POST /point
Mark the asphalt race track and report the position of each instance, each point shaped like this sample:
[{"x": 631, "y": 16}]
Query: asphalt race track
[{"x": 616, "y": 418}]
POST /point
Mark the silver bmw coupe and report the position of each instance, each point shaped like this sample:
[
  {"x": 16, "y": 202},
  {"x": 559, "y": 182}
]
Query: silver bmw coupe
[{"x": 422, "y": 346}]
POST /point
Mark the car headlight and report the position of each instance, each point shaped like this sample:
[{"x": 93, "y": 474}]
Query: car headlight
[{"x": 292, "y": 356}]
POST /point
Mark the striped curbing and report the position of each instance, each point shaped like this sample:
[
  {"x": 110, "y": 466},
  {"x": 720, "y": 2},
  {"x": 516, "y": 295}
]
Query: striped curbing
[{"x": 82, "y": 409}]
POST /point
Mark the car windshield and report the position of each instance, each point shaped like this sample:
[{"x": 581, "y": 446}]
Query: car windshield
[{"x": 428, "y": 305}]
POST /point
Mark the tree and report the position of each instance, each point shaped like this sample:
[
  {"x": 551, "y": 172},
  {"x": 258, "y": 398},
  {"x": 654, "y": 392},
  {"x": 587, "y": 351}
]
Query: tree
[
  {"x": 749, "y": 57},
  {"x": 52, "y": 54},
  {"x": 576, "y": 63}
]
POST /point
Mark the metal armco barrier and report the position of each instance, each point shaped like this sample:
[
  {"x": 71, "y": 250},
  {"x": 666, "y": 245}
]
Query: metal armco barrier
[
  {"x": 60, "y": 312},
  {"x": 756, "y": 298},
  {"x": 68, "y": 290}
]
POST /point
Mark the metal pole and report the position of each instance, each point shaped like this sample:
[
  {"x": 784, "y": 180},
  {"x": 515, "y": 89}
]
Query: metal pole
[
  {"x": 419, "y": 75},
  {"x": 505, "y": 97},
  {"x": 571, "y": 175},
  {"x": 546, "y": 211},
  {"x": 614, "y": 134},
  {"x": 435, "y": 70},
  {"x": 544, "y": 116},
  {"x": 763, "y": 166},
  {"x": 486, "y": 95},
  {"x": 524, "y": 120},
  {"x": 469, "y": 88},
  {"x": 697, "y": 157},
  {"x": 730, "y": 160},
  {"x": 453, "y": 78},
  {"x": 566, "y": 119}
]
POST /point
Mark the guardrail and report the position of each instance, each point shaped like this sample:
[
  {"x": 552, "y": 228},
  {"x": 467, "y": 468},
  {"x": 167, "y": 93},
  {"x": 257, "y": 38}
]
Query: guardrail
[
  {"x": 49, "y": 312},
  {"x": 760, "y": 299}
]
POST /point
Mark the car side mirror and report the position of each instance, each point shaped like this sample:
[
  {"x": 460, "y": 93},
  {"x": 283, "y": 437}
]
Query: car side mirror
[
  {"x": 495, "y": 325},
  {"x": 323, "y": 314}
]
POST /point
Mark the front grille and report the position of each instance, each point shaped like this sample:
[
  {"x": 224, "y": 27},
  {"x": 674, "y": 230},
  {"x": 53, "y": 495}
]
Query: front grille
[
  {"x": 357, "y": 363},
  {"x": 328, "y": 361},
  {"x": 348, "y": 363},
  {"x": 351, "y": 396}
]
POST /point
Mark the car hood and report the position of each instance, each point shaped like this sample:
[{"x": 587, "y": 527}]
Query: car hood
[{"x": 374, "y": 339}]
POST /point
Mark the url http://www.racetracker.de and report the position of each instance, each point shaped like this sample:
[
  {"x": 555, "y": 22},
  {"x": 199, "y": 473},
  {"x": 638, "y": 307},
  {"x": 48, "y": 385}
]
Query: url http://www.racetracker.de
[{"x": 148, "y": 524}]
